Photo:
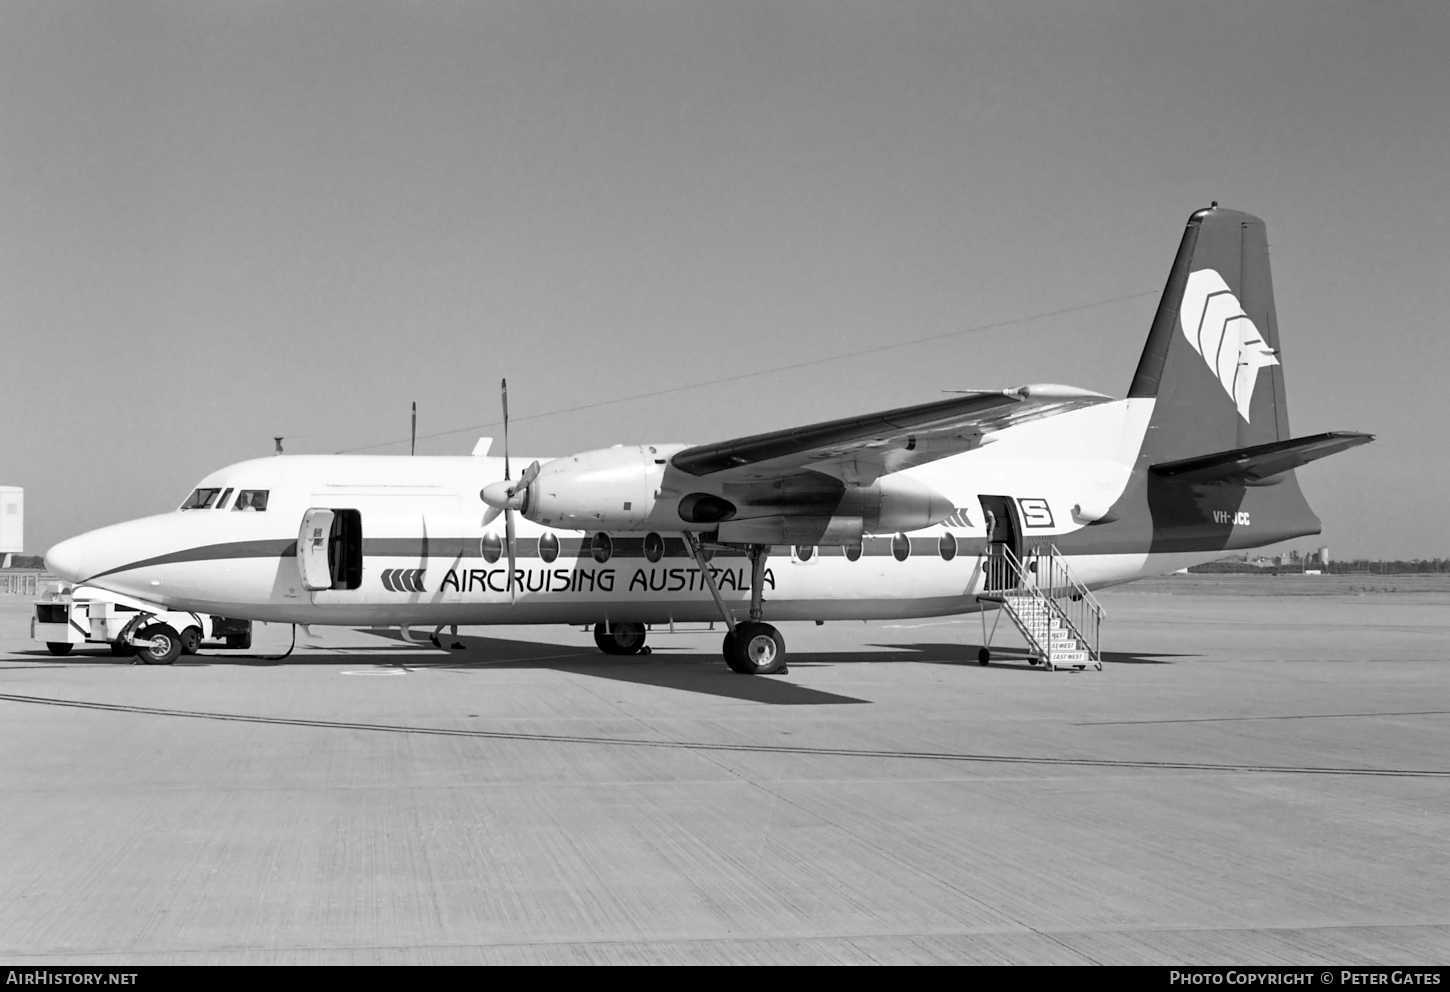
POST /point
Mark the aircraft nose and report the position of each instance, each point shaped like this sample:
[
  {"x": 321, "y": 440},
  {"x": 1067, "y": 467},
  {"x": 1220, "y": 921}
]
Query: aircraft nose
[{"x": 67, "y": 559}]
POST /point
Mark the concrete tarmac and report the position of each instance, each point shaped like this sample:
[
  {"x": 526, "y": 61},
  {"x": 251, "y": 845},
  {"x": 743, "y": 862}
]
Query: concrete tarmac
[{"x": 1259, "y": 775}]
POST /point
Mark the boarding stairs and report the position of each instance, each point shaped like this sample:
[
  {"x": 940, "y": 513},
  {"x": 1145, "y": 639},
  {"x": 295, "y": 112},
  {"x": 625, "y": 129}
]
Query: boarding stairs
[{"x": 1056, "y": 615}]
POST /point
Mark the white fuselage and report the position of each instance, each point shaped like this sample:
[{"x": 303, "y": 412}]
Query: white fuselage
[{"x": 423, "y": 529}]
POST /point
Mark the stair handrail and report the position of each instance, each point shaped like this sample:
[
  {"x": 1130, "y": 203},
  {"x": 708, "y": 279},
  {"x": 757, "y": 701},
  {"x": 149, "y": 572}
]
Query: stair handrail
[
  {"x": 1023, "y": 586},
  {"x": 1085, "y": 612},
  {"x": 1079, "y": 589}
]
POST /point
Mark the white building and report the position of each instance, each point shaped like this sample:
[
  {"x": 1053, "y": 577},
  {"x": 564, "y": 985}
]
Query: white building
[{"x": 12, "y": 521}]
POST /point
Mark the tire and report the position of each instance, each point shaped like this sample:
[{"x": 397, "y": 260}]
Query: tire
[
  {"x": 1034, "y": 661},
  {"x": 619, "y": 638},
  {"x": 727, "y": 648},
  {"x": 240, "y": 642},
  {"x": 190, "y": 640},
  {"x": 121, "y": 649},
  {"x": 158, "y": 644},
  {"x": 755, "y": 649},
  {"x": 58, "y": 647},
  {"x": 984, "y": 657}
]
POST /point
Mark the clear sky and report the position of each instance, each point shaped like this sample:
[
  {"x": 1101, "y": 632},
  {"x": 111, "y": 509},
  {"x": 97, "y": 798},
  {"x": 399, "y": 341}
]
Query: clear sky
[{"x": 225, "y": 221}]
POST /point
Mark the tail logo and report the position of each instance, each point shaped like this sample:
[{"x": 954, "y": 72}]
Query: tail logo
[{"x": 1215, "y": 324}]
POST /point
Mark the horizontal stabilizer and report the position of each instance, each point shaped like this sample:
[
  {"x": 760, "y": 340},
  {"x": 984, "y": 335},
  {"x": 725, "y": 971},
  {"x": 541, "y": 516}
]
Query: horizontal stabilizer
[{"x": 1258, "y": 465}]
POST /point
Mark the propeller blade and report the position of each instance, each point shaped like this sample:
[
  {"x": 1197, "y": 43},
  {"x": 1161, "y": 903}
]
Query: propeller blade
[
  {"x": 530, "y": 474},
  {"x": 490, "y": 515},
  {"x": 508, "y": 519},
  {"x": 504, "y": 386}
]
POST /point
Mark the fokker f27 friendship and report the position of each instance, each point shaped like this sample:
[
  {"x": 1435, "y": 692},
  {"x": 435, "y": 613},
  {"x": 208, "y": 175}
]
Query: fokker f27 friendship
[{"x": 921, "y": 511}]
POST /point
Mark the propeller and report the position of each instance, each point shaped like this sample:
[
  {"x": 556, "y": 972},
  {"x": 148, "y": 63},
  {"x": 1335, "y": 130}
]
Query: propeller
[{"x": 508, "y": 497}]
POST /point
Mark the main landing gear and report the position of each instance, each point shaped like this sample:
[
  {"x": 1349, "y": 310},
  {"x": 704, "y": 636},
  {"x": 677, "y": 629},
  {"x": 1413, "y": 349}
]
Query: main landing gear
[
  {"x": 753, "y": 647},
  {"x": 621, "y": 638}
]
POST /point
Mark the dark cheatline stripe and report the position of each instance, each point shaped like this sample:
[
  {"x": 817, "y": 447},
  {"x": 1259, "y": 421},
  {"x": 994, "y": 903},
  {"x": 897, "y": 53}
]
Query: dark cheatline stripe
[
  {"x": 279, "y": 548},
  {"x": 528, "y": 547},
  {"x": 841, "y": 752}
]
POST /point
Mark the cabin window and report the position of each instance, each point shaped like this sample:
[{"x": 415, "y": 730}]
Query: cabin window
[
  {"x": 901, "y": 547},
  {"x": 853, "y": 551},
  {"x": 201, "y": 499},
  {"x": 654, "y": 546},
  {"x": 221, "y": 504},
  {"x": 491, "y": 547},
  {"x": 548, "y": 547},
  {"x": 252, "y": 499},
  {"x": 805, "y": 551},
  {"x": 947, "y": 546},
  {"x": 601, "y": 547}
]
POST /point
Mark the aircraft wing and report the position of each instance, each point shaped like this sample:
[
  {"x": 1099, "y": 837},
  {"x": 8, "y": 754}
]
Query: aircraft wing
[{"x": 858, "y": 450}]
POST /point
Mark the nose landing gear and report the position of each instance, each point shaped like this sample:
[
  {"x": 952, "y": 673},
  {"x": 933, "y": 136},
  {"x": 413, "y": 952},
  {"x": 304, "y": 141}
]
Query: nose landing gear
[{"x": 621, "y": 638}]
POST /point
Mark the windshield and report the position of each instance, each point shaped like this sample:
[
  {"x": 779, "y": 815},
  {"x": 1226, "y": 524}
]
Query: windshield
[
  {"x": 200, "y": 499},
  {"x": 251, "y": 499}
]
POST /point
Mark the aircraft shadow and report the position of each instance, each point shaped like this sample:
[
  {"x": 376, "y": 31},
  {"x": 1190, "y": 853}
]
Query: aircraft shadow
[
  {"x": 958, "y": 654},
  {"x": 668, "y": 667}
]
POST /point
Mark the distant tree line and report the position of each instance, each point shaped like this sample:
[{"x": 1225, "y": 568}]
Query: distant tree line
[{"x": 1347, "y": 567}]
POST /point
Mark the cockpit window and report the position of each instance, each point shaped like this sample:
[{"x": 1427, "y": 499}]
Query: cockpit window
[
  {"x": 251, "y": 499},
  {"x": 221, "y": 504},
  {"x": 200, "y": 499}
]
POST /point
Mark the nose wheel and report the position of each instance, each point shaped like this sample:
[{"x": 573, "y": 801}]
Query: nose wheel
[{"x": 620, "y": 638}]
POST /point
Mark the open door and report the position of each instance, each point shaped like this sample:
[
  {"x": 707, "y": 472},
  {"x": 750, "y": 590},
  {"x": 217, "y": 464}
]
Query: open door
[
  {"x": 329, "y": 549},
  {"x": 1004, "y": 533},
  {"x": 312, "y": 542}
]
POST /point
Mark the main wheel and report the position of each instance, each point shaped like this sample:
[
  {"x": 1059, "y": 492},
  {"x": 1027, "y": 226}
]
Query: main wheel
[
  {"x": 619, "y": 638},
  {"x": 755, "y": 649},
  {"x": 984, "y": 657},
  {"x": 158, "y": 644},
  {"x": 58, "y": 647},
  {"x": 191, "y": 640}
]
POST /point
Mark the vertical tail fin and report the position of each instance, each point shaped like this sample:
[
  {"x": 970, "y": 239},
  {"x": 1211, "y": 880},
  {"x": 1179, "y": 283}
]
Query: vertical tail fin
[{"x": 1212, "y": 361}]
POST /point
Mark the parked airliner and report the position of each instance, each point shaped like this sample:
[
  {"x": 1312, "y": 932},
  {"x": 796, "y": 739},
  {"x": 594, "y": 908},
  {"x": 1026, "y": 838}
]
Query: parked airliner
[{"x": 896, "y": 514}]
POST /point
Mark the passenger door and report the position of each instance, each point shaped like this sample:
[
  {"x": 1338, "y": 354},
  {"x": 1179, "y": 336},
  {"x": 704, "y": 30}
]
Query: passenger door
[
  {"x": 313, "y": 540},
  {"x": 1006, "y": 535},
  {"x": 408, "y": 544}
]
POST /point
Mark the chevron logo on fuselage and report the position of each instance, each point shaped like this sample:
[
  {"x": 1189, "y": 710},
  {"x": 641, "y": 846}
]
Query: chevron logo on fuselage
[
  {"x": 1224, "y": 336},
  {"x": 403, "y": 579}
]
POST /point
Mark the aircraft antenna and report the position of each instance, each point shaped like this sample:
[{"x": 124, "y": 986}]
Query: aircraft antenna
[{"x": 413, "y": 447}]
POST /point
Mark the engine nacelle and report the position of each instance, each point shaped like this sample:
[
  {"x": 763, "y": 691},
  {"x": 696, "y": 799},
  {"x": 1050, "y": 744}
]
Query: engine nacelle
[
  {"x": 891, "y": 504},
  {"x": 905, "y": 505},
  {"x": 608, "y": 489},
  {"x": 623, "y": 489}
]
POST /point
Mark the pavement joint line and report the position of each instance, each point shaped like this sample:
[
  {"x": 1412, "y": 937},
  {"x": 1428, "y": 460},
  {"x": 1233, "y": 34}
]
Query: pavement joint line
[
  {"x": 1237, "y": 719},
  {"x": 739, "y": 748}
]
